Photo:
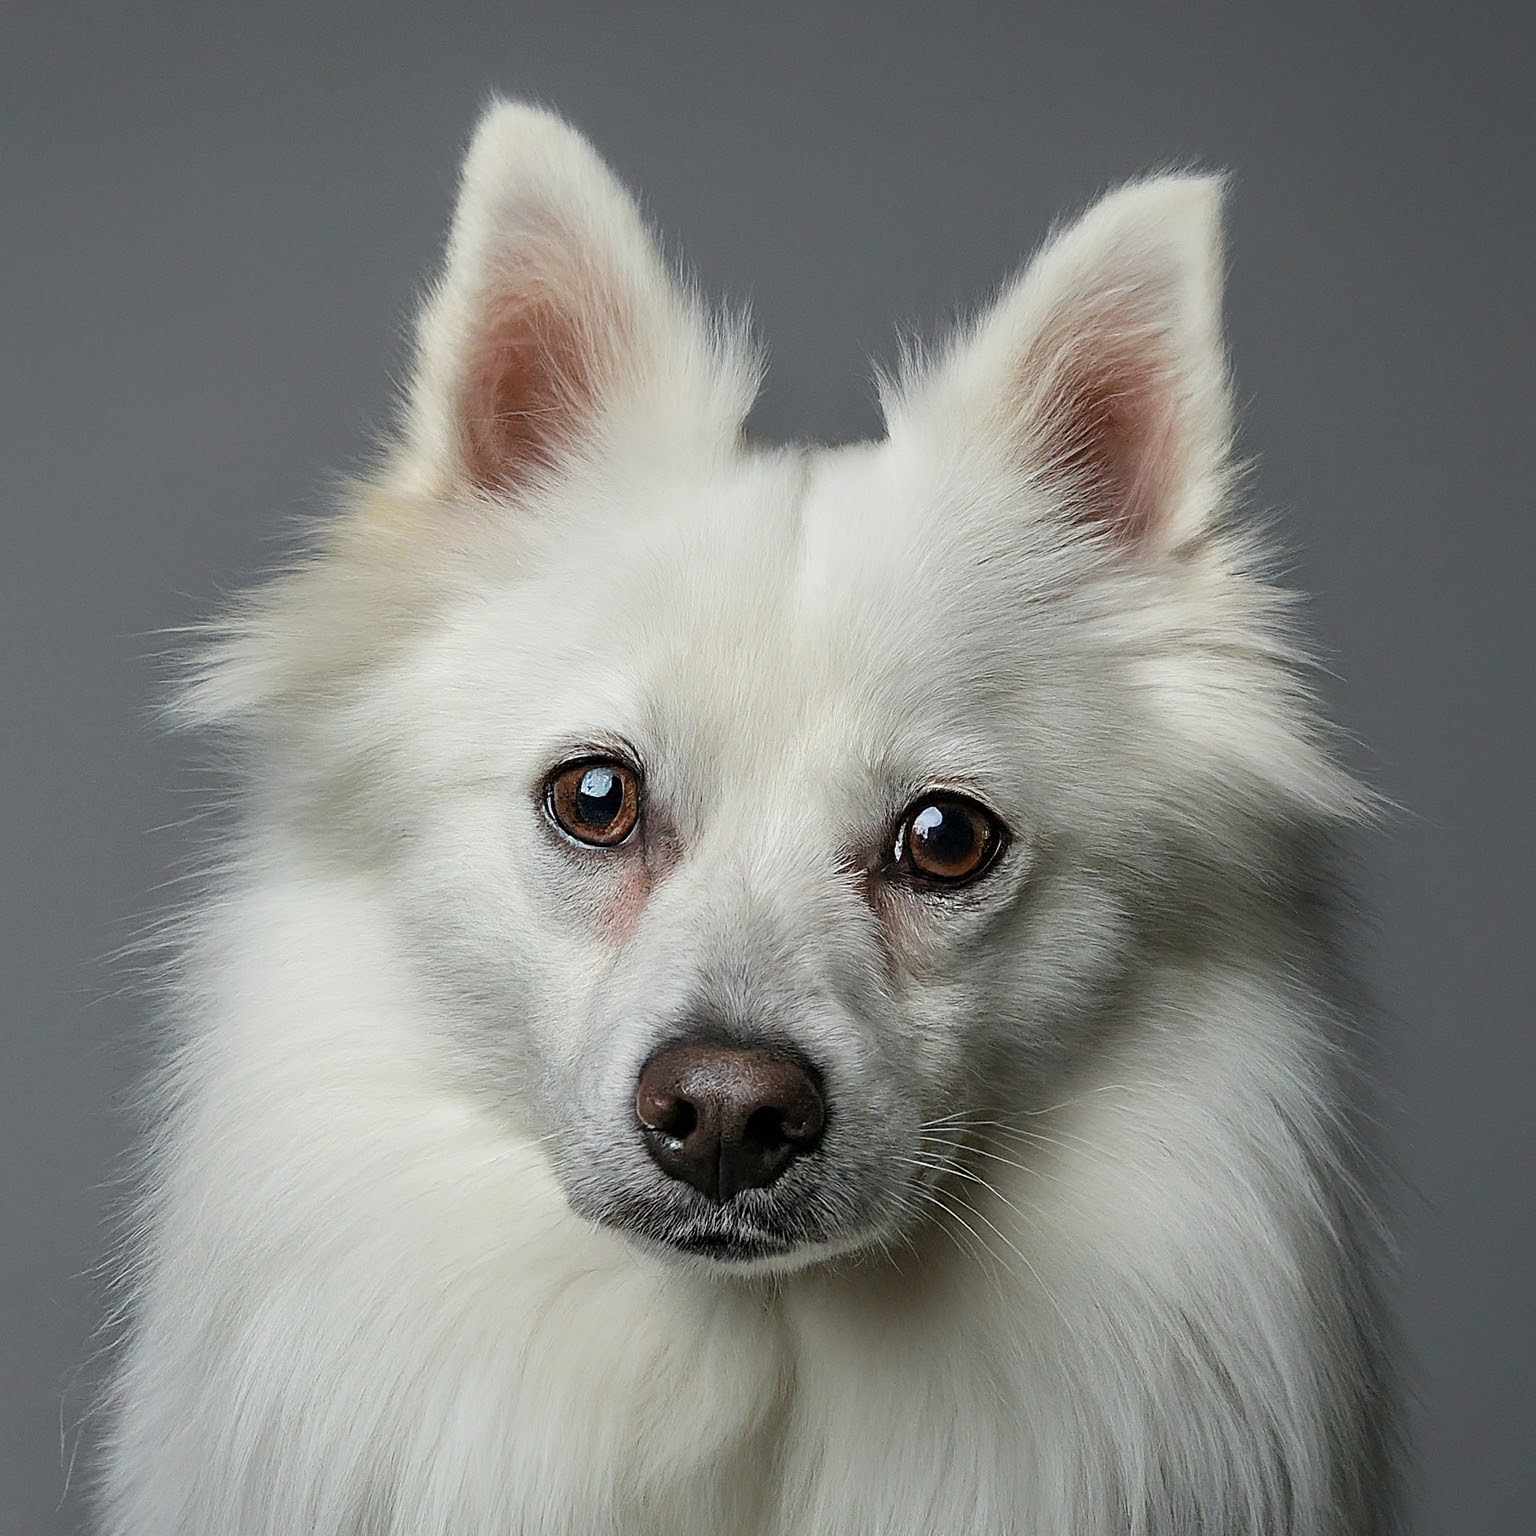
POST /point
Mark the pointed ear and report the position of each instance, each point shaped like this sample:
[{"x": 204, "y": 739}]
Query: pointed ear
[
  {"x": 556, "y": 323},
  {"x": 1100, "y": 373}
]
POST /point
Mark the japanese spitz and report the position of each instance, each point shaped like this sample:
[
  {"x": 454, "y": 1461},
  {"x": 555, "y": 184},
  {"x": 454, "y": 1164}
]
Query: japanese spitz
[{"x": 766, "y": 991}]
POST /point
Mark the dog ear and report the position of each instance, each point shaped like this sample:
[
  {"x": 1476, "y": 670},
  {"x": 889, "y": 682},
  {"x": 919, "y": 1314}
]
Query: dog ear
[
  {"x": 1100, "y": 373},
  {"x": 556, "y": 323}
]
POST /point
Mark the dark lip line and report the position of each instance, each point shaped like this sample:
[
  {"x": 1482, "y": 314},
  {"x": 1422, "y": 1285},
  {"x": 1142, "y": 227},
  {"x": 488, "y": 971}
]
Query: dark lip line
[
  {"x": 688, "y": 1237},
  {"x": 757, "y": 1243}
]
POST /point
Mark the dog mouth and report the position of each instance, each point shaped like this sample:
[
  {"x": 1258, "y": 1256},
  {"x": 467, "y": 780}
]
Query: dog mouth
[
  {"x": 721, "y": 1237},
  {"x": 731, "y": 1247},
  {"x": 811, "y": 1216},
  {"x": 743, "y": 1233}
]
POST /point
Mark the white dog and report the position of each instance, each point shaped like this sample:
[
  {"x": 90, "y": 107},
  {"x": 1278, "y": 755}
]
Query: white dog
[{"x": 767, "y": 991}]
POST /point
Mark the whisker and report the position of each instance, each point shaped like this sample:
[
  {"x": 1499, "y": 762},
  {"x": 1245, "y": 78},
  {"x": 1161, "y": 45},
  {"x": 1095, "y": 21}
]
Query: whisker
[
  {"x": 1024, "y": 1259},
  {"x": 977, "y": 1250},
  {"x": 1068, "y": 1141},
  {"x": 1033, "y": 1215},
  {"x": 967, "y": 1115}
]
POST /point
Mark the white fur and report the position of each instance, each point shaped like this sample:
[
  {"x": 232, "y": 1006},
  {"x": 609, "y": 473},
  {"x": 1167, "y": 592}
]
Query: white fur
[{"x": 1110, "y": 1270}]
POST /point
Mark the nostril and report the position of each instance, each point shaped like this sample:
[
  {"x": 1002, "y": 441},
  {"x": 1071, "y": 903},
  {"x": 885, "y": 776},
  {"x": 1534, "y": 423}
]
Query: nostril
[
  {"x": 766, "y": 1127},
  {"x": 682, "y": 1122},
  {"x": 773, "y": 1127},
  {"x": 669, "y": 1113}
]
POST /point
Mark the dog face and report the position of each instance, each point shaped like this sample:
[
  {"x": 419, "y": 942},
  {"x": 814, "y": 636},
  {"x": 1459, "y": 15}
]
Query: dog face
[
  {"x": 760, "y": 824},
  {"x": 737, "y": 793}
]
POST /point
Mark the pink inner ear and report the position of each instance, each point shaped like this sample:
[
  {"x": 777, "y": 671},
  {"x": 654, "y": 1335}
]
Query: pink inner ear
[
  {"x": 533, "y": 380},
  {"x": 1105, "y": 426}
]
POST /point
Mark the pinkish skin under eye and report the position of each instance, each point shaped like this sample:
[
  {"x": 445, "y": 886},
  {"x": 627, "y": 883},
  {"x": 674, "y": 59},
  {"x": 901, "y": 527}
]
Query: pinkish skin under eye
[{"x": 638, "y": 867}]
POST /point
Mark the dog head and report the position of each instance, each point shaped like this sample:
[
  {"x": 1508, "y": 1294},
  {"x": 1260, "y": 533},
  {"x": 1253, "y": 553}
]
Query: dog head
[{"x": 759, "y": 824}]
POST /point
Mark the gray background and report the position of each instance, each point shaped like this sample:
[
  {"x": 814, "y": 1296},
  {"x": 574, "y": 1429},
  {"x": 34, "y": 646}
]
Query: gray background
[{"x": 212, "y": 219}]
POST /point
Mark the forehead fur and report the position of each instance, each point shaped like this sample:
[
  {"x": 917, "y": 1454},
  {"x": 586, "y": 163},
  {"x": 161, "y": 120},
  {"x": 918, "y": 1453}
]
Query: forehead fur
[
  {"x": 1031, "y": 581},
  {"x": 828, "y": 620}
]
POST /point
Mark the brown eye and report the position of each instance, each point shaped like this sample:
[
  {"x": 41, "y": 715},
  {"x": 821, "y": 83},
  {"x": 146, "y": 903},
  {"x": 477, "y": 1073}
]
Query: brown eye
[
  {"x": 947, "y": 840},
  {"x": 596, "y": 801}
]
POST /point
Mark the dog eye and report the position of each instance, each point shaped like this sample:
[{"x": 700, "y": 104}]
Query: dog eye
[
  {"x": 947, "y": 840},
  {"x": 596, "y": 801}
]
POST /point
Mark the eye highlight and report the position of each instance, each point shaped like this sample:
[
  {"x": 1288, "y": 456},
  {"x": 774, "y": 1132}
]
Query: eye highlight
[
  {"x": 946, "y": 839},
  {"x": 595, "y": 800}
]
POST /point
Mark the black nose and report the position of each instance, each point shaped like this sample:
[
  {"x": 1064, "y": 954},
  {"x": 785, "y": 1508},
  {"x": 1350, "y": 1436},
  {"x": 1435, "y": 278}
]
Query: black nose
[{"x": 726, "y": 1118}]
